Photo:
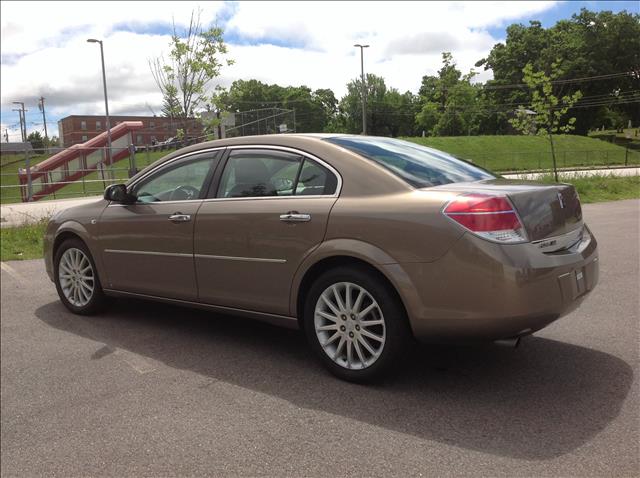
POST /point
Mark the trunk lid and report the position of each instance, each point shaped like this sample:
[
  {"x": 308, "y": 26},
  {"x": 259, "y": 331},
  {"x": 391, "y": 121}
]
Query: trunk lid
[{"x": 546, "y": 210}]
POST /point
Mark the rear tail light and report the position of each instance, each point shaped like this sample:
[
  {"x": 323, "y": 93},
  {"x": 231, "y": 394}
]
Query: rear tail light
[{"x": 490, "y": 217}]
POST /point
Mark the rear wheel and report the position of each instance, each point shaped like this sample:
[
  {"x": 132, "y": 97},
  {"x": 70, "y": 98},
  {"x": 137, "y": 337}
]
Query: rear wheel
[
  {"x": 355, "y": 323},
  {"x": 76, "y": 278}
]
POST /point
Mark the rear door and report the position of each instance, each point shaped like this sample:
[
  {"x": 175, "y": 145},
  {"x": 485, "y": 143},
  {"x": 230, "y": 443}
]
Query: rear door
[
  {"x": 147, "y": 247},
  {"x": 269, "y": 211}
]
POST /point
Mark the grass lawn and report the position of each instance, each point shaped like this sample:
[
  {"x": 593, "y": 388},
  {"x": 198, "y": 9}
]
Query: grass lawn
[
  {"x": 602, "y": 188},
  {"x": 517, "y": 153},
  {"x": 25, "y": 242},
  {"x": 9, "y": 175}
]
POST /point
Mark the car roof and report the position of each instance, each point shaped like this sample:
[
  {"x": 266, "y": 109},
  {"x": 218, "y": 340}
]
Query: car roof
[{"x": 293, "y": 140}]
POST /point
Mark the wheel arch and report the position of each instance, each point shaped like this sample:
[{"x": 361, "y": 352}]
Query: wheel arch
[
  {"x": 331, "y": 256},
  {"x": 75, "y": 230}
]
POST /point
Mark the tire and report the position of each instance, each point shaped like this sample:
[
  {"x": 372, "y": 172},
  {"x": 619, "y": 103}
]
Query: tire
[
  {"x": 387, "y": 315},
  {"x": 73, "y": 266}
]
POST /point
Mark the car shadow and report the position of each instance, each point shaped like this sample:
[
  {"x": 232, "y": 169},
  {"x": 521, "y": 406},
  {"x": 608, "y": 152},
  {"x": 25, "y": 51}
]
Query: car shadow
[{"x": 537, "y": 402}]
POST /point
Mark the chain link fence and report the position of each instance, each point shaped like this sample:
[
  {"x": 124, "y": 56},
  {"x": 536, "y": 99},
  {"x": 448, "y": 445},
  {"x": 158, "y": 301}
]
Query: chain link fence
[
  {"x": 536, "y": 161},
  {"x": 91, "y": 172}
]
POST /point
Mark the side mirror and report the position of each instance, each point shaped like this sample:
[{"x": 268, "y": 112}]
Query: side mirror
[{"x": 118, "y": 193}]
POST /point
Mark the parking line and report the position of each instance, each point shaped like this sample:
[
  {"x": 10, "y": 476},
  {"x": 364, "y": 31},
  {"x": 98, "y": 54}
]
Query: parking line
[
  {"x": 13, "y": 273},
  {"x": 135, "y": 361}
]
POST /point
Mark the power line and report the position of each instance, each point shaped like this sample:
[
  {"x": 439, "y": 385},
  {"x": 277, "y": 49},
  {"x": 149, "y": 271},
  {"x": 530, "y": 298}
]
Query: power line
[
  {"x": 525, "y": 103},
  {"x": 565, "y": 81},
  {"x": 489, "y": 109},
  {"x": 484, "y": 86}
]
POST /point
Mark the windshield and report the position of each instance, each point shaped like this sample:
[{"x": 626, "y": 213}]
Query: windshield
[{"x": 418, "y": 165}]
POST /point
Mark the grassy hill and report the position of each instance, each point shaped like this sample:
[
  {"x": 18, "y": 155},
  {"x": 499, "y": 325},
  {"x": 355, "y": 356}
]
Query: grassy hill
[{"x": 514, "y": 153}]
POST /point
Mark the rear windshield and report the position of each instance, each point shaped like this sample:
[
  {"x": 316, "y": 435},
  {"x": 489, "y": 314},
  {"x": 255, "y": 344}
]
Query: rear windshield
[{"x": 418, "y": 165}]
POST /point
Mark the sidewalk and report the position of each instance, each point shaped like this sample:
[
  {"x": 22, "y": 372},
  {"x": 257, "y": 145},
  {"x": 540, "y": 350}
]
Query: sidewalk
[
  {"x": 578, "y": 173},
  {"x": 17, "y": 214}
]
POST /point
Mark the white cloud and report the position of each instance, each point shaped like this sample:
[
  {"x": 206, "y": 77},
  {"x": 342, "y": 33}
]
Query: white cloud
[{"x": 44, "y": 49}]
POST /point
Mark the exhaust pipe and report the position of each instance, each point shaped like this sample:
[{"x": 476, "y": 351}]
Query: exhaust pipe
[{"x": 512, "y": 342}]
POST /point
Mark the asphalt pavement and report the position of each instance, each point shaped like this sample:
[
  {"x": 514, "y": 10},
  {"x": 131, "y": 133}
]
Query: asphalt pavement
[{"x": 154, "y": 390}]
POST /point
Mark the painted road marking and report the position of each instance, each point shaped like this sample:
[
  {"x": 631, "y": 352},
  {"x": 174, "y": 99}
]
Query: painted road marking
[
  {"x": 135, "y": 361},
  {"x": 13, "y": 273}
]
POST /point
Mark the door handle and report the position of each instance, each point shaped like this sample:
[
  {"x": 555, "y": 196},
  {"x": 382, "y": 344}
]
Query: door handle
[
  {"x": 179, "y": 217},
  {"x": 294, "y": 216}
]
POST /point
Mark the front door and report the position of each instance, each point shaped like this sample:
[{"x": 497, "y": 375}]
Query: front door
[
  {"x": 147, "y": 247},
  {"x": 270, "y": 211}
]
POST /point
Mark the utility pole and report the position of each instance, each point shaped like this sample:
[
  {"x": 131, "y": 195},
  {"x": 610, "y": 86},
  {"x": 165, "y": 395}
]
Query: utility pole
[
  {"x": 6, "y": 135},
  {"x": 44, "y": 120},
  {"x": 364, "y": 88},
  {"x": 106, "y": 102},
  {"x": 23, "y": 120}
]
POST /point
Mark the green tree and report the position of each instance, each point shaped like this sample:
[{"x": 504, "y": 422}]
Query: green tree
[
  {"x": 589, "y": 44},
  {"x": 428, "y": 117},
  {"x": 261, "y": 104},
  {"x": 196, "y": 57},
  {"x": 36, "y": 139},
  {"x": 549, "y": 108},
  {"x": 389, "y": 113},
  {"x": 170, "y": 103},
  {"x": 450, "y": 104}
]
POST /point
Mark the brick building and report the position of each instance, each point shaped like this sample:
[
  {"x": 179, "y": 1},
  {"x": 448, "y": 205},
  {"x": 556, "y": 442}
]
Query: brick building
[{"x": 79, "y": 129}]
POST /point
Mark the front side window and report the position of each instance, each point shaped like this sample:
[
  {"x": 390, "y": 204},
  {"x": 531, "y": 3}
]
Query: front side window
[
  {"x": 259, "y": 173},
  {"x": 181, "y": 181},
  {"x": 418, "y": 165}
]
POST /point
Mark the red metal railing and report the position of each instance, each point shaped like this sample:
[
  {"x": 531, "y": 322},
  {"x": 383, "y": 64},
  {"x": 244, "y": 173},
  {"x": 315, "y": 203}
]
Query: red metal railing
[{"x": 75, "y": 162}]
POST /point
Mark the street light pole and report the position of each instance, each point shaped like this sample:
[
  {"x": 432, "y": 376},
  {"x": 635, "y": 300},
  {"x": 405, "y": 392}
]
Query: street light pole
[
  {"x": 364, "y": 88},
  {"x": 106, "y": 102}
]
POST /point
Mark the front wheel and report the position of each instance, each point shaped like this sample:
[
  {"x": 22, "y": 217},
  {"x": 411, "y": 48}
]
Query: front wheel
[
  {"x": 355, "y": 323},
  {"x": 76, "y": 278}
]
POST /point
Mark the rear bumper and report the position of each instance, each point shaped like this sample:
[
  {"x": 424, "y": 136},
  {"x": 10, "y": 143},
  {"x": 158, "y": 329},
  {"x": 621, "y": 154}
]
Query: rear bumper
[{"x": 482, "y": 290}]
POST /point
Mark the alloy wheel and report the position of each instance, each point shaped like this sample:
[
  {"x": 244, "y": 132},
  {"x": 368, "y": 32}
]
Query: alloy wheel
[
  {"x": 76, "y": 277},
  {"x": 349, "y": 325}
]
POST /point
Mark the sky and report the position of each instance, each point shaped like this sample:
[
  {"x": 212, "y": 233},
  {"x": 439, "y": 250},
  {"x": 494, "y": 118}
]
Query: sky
[{"x": 44, "y": 50}]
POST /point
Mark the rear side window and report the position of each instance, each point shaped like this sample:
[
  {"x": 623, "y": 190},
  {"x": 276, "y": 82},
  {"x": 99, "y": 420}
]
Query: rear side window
[
  {"x": 259, "y": 173},
  {"x": 315, "y": 180},
  {"x": 417, "y": 165}
]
